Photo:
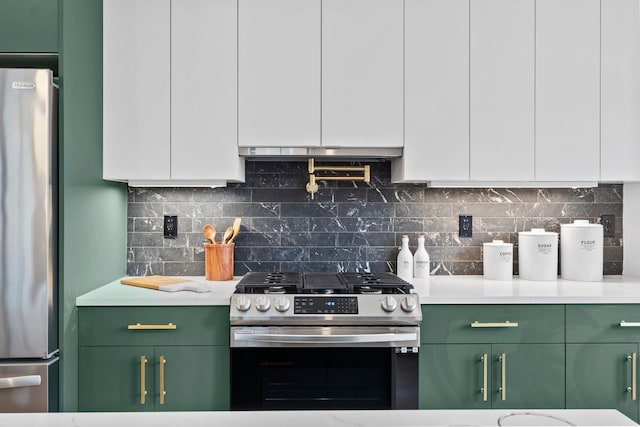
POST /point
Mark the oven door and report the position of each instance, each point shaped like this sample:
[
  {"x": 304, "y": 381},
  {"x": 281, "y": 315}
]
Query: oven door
[{"x": 282, "y": 368}]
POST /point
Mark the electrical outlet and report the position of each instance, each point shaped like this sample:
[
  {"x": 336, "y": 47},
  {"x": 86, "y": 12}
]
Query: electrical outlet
[
  {"x": 608, "y": 225},
  {"x": 170, "y": 226},
  {"x": 466, "y": 226}
]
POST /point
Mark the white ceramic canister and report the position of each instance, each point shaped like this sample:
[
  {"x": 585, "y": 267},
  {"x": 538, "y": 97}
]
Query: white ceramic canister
[
  {"x": 497, "y": 260},
  {"x": 581, "y": 251},
  {"x": 538, "y": 254}
]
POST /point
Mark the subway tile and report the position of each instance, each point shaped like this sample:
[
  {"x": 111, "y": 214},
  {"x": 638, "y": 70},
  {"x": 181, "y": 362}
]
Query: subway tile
[{"x": 350, "y": 225}]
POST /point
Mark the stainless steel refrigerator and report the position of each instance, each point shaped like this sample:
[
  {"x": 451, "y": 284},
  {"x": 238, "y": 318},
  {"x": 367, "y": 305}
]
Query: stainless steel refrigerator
[{"x": 28, "y": 241}]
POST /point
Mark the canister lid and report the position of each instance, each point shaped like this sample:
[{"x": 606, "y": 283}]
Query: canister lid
[
  {"x": 538, "y": 232},
  {"x": 581, "y": 223},
  {"x": 498, "y": 243}
]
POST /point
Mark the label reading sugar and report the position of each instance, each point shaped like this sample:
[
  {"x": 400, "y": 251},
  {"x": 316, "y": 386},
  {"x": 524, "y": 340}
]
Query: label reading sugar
[{"x": 544, "y": 248}]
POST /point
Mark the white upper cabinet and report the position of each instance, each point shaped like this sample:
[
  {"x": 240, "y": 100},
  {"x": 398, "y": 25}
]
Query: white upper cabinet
[
  {"x": 203, "y": 91},
  {"x": 436, "y": 91},
  {"x": 620, "y": 126},
  {"x": 502, "y": 90},
  {"x": 136, "y": 96},
  {"x": 567, "y": 90},
  {"x": 170, "y": 73},
  {"x": 362, "y": 73},
  {"x": 279, "y": 73}
]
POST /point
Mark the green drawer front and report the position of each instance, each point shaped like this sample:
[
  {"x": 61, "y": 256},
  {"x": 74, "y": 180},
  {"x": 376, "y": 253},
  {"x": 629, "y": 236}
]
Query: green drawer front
[
  {"x": 452, "y": 323},
  {"x": 194, "y": 325},
  {"x": 601, "y": 323}
]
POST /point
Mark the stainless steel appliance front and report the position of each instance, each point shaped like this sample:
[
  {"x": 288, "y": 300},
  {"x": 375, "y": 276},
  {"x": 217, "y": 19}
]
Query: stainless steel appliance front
[{"x": 28, "y": 236}]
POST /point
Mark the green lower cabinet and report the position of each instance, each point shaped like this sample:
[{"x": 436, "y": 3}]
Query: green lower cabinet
[
  {"x": 600, "y": 376},
  {"x": 527, "y": 376},
  {"x": 110, "y": 379},
  {"x": 193, "y": 378},
  {"x": 453, "y": 376}
]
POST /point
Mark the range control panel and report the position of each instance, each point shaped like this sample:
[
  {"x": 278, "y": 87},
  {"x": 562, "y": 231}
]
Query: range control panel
[{"x": 325, "y": 305}]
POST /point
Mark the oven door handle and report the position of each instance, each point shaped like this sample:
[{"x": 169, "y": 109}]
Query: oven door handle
[
  {"x": 22, "y": 381},
  {"x": 262, "y": 337}
]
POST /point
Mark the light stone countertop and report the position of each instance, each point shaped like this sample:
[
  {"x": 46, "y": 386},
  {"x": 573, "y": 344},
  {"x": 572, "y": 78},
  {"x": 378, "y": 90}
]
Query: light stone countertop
[
  {"x": 396, "y": 418},
  {"x": 432, "y": 290}
]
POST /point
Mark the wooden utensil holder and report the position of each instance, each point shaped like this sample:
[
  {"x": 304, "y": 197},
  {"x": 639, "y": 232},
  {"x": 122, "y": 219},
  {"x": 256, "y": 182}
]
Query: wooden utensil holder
[{"x": 218, "y": 261}]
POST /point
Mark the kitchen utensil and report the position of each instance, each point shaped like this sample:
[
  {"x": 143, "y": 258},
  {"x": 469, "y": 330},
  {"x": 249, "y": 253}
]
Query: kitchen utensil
[
  {"x": 209, "y": 232},
  {"x": 227, "y": 236},
  {"x": 236, "y": 229},
  {"x": 164, "y": 283}
]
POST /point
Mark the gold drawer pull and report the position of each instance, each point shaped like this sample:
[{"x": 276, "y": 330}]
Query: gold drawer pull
[
  {"x": 506, "y": 324},
  {"x": 163, "y": 393},
  {"x": 143, "y": 390},
  {"x": 503, "y": 380},
  {"x": 138, "y": 326},
  {"x": 624, "y": 324},
  {"x": 483, "y": 390}
]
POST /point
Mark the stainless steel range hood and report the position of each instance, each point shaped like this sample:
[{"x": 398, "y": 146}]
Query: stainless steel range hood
[{"x": 326, "y": 154}]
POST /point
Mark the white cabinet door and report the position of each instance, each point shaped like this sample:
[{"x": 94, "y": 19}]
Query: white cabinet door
[
  {"x": 279, "y": 73},
  {"x": 136, "y": 89},
  {"x": 362, "y": 73},
  {"x": 436, "y": 142},
  {"x": 502, "y": 90},
  {"x": 567, "y": 90},
  {"x": 203, "y": 91},
  {"x": 620, "y": 109}
]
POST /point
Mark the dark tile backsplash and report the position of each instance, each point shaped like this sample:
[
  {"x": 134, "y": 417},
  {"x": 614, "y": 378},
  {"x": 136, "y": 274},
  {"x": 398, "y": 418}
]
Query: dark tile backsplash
[{"x": 349, "y": 226}]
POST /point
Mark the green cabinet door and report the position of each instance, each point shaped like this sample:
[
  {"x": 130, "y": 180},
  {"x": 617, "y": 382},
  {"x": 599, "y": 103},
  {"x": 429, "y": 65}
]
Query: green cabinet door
[
  {"x": 599, "y": 376},
  {"x": 110, "y": 379},
  {"x": 452, "y": 376},
  {"x": 29, "y": 26},
  {"x": 195, "y": 378},
  {"x": 532, "y": 376}
]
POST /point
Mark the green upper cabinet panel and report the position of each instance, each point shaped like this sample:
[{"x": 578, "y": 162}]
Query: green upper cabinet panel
[{"x": 29, "y": 26}]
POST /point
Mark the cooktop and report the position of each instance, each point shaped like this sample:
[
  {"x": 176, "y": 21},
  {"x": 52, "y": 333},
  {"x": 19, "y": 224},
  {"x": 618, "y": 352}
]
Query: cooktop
[{"x": 322, "y": 283}]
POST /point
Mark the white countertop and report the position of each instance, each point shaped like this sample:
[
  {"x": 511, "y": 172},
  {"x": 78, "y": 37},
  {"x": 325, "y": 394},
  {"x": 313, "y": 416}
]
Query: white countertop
[
  {"x": 115, "y": 293},
  {"x": 432, "y": 290},
  {"x": 397, "y": 418}
]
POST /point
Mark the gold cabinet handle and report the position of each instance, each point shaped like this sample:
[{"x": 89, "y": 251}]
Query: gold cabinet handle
[
  {"x": 483, "y": 390},
  {"x": 143, "y": 391},
  {"x": 633, "y": 388},
  {"x": 163, "y": 393},
  {"x": 138, "y": 326},
  {"x": 624, "y": 324},
  {"x": 503, "y": 380},
  {"x": 506, "y": 324}
]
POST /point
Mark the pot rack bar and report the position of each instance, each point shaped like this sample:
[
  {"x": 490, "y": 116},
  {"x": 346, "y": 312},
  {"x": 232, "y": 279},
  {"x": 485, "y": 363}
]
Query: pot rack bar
[{"x": 312, "y": 185}]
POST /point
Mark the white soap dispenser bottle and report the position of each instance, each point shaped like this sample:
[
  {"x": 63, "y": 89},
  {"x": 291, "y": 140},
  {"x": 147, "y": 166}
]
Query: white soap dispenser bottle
[
  {"x": 421, "y": 267},
  {"x": 405, "y": 260}
]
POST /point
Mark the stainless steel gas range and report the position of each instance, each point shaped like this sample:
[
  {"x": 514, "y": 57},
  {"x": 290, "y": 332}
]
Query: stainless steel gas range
[{"x": 324, "y": 341}]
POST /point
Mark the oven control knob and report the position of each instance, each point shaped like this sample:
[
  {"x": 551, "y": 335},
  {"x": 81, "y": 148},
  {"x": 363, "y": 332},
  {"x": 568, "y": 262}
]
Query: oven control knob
[
  {"x": 281, "y": 304},
  {"x": 263, "y": 303},
  {"x": 389, "y": 303},
  {"x": 243, "y": 303},
  {"x": 408, "y": 304}
]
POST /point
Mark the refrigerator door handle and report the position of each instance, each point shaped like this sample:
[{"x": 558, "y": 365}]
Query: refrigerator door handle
[{"x": 23, "y": 381}]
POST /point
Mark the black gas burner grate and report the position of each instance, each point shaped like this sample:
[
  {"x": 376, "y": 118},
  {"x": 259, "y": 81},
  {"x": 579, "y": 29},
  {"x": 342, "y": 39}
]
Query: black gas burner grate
[{"x": 322, "y": 283}]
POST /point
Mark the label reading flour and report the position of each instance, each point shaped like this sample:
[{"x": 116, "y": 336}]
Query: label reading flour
[{"x": 587, "y": 245}]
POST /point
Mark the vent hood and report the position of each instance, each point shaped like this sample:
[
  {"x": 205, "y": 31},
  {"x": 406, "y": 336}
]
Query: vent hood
[{"x": 326, "y": 154}]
